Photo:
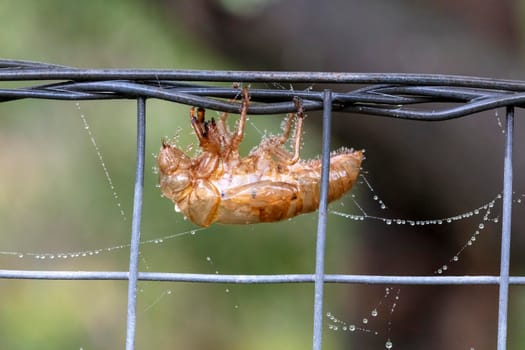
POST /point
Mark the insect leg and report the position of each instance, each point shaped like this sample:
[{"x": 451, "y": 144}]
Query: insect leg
[
  {"x": 274, "y": 145},
  {"x": 222, "y": 128},
  {"x": 280, "y": 152},
  {"x": 298, "y": 131},
  {"x": 222, "y": 125},
  {"x": 287, "y": 127},
  {"x": 239, "y": 134},
  {"x": 197, "y": 122}
]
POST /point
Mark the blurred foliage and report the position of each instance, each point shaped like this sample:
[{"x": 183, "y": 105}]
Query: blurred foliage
[{"x": 55, "y": 198}]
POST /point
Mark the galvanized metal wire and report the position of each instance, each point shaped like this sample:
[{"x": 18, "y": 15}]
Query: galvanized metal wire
[{"x": 404, "y": 96}]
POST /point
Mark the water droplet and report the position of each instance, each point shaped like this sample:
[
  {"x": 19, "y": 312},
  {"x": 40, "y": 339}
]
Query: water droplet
[
  {"x": 481, "y": 226},
  {"x": 388, "y": 222},
  {"x": 383, "y": 206},
  {"x": 351, "y": 328},
  {"x": 328, "y": 314},
  {"x": 192, "y": 232},
  {"x": 389, "y": 344},
  {"x": 344, "y": 328},
  {"x": 365, "y": 320},
  {"x": 374, "y": 313},
  {"x": 20, "y": 256},
  {"x": 455, "y": 258},
  {"x": 227, "y": 290},
  {"x": 208, "y": 258},
  {"x": 376, "y": 198},
  {"x": 445, "y": 267}
]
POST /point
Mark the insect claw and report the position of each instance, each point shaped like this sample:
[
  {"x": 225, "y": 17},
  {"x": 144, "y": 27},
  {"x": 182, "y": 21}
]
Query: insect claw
[{"x": 299, "y": 106}]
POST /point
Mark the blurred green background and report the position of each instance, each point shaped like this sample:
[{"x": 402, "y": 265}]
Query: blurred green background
[{"x": 55, "y": 197}]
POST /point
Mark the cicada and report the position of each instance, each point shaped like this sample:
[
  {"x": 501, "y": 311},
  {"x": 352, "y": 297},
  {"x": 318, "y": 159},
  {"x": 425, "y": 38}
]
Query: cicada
[{"x": 270, "y": 184}]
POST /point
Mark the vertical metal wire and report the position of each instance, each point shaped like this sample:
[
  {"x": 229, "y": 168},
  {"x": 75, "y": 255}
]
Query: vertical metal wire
[
  {"x": 321, "y": 224},
  {"x": 505, "y": 235},
  {"x": 135, "y": 225}
]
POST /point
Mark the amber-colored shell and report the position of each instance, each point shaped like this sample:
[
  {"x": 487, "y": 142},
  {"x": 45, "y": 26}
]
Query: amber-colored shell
[{"x": 270, "y": 184}]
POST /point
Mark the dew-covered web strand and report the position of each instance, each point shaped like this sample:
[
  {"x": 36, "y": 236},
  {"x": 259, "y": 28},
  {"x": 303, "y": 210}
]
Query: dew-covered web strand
[
  {"x": 366, "y": 325},
  {"x": 227, "y": 290},
  {"x": 87, "y": 253},
  {"x": 157, "y": 300},
  {"x": 499, "y": 122},
  {"x": 101, "y": 162},
  {"x": 363, "y": 215},
  {"x": 369, "y": 323},
  {"x": 98, "y": 251}
]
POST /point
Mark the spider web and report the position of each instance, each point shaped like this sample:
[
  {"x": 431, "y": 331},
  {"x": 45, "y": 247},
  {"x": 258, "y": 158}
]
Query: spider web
[{"x": 379, "y": 320}]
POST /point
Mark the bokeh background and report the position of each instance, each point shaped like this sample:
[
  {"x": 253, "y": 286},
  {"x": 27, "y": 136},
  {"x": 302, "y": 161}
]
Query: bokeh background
[{"x": 55, "y": 198}]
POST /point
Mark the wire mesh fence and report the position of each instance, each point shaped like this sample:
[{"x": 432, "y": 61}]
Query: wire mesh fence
[{"x": 401, "y": 96}]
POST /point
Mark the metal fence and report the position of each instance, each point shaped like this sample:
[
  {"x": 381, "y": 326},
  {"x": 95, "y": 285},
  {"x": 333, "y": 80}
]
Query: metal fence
[{"x": 389, "y": 95}]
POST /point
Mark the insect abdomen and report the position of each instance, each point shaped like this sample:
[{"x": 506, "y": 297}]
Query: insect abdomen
[{"x": 344, "y": 169}]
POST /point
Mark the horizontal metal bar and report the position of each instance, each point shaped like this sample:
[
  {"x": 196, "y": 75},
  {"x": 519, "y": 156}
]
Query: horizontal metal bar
[
  {"x": 256, "y": 279},
  {"x": 17, "y": 71},
  {"x": 373, "y": 100}
]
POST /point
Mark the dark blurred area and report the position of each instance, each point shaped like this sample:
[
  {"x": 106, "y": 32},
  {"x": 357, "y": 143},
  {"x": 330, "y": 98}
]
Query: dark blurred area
[{"x": 421, "y": 170}]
